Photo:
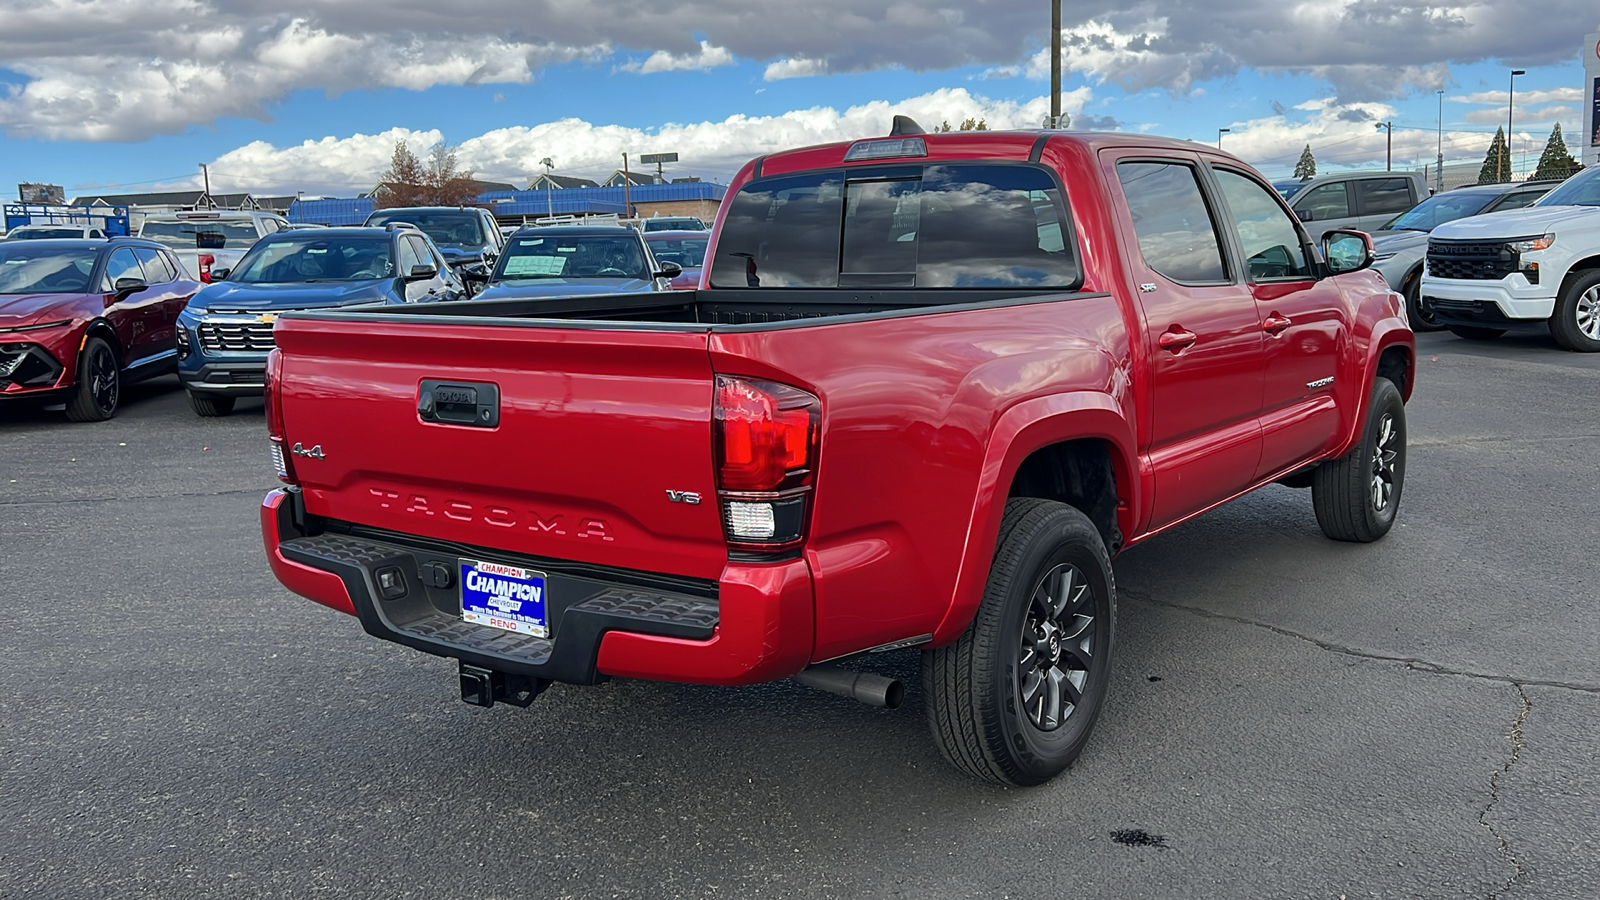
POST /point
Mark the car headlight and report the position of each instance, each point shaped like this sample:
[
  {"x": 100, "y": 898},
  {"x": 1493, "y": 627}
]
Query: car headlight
[
  {"x": 37, "y": 327},
  {"x": 1532, "y": 245}
]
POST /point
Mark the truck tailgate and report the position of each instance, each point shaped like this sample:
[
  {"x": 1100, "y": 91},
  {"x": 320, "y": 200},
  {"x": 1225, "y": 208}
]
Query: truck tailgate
[{"x": 601, "y": 439}]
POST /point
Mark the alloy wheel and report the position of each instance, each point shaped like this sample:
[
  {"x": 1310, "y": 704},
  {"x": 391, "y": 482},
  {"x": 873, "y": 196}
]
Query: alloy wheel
[
  {"x": 103, "y": 380},
  {"x": 1587, "y": 313},
  {"x": 1058, "y": 646},
  {"x": 1383, "y": 458}
]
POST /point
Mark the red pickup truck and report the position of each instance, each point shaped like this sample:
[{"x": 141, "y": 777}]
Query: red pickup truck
[{"x": 929, "y": 386}]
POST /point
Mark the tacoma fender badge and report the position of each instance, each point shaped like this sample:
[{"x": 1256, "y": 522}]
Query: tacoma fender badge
[
  {"x": 315, "y": 452},
  {"x": 1147, "y": 288},
  {"x": 689, "y": 497},
  {"x": 1320, "y": 382}
]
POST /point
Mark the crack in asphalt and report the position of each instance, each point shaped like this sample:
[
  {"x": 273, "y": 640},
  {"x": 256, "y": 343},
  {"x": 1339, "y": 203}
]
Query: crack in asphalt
[
  {"x": 1500, "y": 439},
  {"x": 261, "y": 491},
  {"x": 1411, "y": 662},
  {"x": 1517, "y": 744}
]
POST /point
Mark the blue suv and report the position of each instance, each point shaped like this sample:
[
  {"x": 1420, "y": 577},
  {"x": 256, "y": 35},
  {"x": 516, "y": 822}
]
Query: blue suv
[{"x": 225, "y": 333}]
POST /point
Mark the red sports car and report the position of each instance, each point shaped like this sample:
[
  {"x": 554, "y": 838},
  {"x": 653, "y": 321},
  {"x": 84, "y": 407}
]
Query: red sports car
[
  {"x": 686, "y": 248},
  {"x": 80, "y": 318}
]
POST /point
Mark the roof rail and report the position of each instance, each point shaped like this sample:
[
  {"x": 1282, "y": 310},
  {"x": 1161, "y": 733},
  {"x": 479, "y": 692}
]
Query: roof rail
[{"x": 905, "y": 125}]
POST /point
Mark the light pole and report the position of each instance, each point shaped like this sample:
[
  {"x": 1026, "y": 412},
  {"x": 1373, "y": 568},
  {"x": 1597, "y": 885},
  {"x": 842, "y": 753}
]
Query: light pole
[
  {"x": 1055, "y": 64},
  {"x": 549, "y": 200},
  {"x": 1220, "y": 133},
  {"x": 1511, "y": 94},
  {"x": 1388, "y": 151},
  {"x": 1438, "y": 174}
]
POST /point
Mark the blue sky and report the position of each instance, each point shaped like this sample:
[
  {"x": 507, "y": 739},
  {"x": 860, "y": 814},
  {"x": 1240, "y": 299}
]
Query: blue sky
[{"x": 305, "y": 100}]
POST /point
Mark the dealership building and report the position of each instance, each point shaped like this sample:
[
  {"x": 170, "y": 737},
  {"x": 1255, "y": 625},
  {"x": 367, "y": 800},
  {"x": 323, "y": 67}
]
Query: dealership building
[{"x": 1591, "y": 106}]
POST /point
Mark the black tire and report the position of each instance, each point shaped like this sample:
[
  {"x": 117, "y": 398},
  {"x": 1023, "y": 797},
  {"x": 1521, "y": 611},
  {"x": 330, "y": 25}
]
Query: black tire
[
  {"x": 98, "y": 387},
  {"x": 1421, "y": 318},
  {"x": 977, "y": 688},
  {"x": 1357, "y": 495},
  {"x": 1576, "y": 322},
  {"x": 210, "y": 406},
  {"x": 1476, "y": 332}
]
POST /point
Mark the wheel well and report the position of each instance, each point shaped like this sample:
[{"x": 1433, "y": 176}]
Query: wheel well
[
  {"x": 1080, "y": 474},
  {"x": 1395, "y": 365},
  {"x": 105, "y": 332},
  {"x": 1579, "y": 269}
]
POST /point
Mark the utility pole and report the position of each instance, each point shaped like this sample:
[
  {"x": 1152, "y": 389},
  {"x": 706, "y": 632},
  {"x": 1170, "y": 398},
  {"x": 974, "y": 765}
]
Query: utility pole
[
  {"x": 1438, "y": 175},
  {"x": 205, "y": 175},
  {"x": 1511, "y": 94},
  {"x": 1388, "y": 153},
  {"x": 1055, "y": 63}
]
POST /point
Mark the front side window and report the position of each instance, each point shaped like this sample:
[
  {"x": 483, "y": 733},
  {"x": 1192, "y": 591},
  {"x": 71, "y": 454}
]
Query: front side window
[
  {"x": 1384, "y": 196},
  {"x": 122, "y": 264},
  {"x": 1517, "y": 200},
  {"x": 1177, "y": 237},
  {"x": 1271, "y": 242},
  {"x": 939, "y": 226},
  {"x": 1328, "y": 201}
]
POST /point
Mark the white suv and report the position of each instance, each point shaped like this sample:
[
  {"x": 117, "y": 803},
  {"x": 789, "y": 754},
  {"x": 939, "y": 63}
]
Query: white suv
[
  {"x": 1538, "y": 266},
  {"x": 211, "y": 241}
]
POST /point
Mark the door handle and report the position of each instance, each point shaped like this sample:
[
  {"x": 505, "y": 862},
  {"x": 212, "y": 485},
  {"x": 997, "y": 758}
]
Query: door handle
[
  {"x": 1176, "y": 341},
  {"x": 1275, "y": 323}
]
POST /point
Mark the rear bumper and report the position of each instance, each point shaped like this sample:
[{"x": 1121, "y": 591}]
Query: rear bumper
[{"x": 753, "y": 625}]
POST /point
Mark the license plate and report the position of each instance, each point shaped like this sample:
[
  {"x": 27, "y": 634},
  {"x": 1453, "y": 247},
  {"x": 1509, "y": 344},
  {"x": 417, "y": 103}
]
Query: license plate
[{"x": 505, "y": 597}]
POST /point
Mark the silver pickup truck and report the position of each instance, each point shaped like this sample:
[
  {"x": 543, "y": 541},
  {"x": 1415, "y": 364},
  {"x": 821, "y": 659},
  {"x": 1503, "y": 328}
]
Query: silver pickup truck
[{"x": 209, "y": 241}]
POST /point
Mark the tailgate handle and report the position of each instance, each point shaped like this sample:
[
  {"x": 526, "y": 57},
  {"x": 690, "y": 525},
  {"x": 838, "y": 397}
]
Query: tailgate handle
[{"x": 472, "y": 403}]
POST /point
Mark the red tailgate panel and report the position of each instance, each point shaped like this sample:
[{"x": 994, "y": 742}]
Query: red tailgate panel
[{"x": 595, "y": 428}]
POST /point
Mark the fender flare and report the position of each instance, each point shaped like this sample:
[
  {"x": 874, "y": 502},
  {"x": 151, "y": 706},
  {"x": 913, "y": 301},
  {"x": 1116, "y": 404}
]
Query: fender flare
[
  {"x": 1024, "y": 428},
  {"x": 1386, "y": 334}
]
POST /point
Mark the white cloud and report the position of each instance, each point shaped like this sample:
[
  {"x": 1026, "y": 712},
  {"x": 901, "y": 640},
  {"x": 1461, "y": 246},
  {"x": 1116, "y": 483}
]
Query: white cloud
[
  {"x": 795, "y": 67},
  {"x": 345, "y": 165},
  {"x": 707, "y": 57},
  {"x": 1498, "y": 98}
]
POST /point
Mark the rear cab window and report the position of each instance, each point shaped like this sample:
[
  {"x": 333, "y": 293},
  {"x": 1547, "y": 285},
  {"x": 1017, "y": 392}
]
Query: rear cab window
[{"x": 938, "y": 225}]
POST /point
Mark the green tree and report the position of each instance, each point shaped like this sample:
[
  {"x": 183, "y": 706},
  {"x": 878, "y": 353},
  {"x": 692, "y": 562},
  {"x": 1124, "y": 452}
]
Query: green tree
[
  {"x": 1556, "y": 163},
  {"x": 1497, "y": 165},
  {"x": 975, "y": 125},
  {"x": 1307, "y": 166}
]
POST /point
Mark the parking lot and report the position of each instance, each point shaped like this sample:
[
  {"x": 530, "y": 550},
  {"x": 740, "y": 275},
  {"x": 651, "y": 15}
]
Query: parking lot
[{"x": 1289, "y": 716}]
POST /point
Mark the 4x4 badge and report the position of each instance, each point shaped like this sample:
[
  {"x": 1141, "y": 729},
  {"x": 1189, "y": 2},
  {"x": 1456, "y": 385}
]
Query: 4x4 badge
[{"x": 314, "y": 453}]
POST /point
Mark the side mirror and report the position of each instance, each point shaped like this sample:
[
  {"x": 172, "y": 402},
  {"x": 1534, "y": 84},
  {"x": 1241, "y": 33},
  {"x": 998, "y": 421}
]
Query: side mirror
[
  {"x": 220, "y": 274},
  {"x": 1346, "y": 251},
  {"x": 670, "y": 270},
  {"x": 1305, "y": 215},
  {"x": 475, "y": 272},
  {"x": 421, "y": 273},
  {"x": 126, "y": 286}
]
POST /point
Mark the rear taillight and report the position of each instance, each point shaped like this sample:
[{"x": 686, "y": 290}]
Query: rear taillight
[
  {"x": 206, "y": 262},
  {"x": 766, "y": 439},
  {"x": 273, "y": 398}
]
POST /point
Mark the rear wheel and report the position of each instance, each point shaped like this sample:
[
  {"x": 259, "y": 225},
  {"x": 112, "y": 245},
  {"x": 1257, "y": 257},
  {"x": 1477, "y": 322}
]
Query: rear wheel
[
  {"x": 1015, "y": 698},
  {"x": 1476, "y": 332},
  {"x": 99, "y": 383},
  {"x": 210, "y": 405},
  {"x": 1357, "y": 495},
  {"x": 1419, "y": 315},
  {"x": 1576, "y": 322}
]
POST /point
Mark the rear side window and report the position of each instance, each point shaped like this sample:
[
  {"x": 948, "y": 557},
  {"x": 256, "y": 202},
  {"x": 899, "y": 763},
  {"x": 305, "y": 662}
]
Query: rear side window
[
  {"x": 156, "y": 269},
  {"x": 1384, "y": 195},
  {"x": 1177, "y": 236},
  {"x": 939, "y": 226}
]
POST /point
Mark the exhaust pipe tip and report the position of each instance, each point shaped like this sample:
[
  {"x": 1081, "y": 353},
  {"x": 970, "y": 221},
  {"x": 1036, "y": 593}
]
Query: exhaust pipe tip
[{"x": 863, "y": 687}]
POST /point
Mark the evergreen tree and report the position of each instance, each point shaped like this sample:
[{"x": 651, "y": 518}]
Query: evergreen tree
[
  {"x": 1307, "y": 166},
  {"x": 974, "y": 125},
  {"x": 1556, "y": 163},
  {"x": 1497, "y": 165}
]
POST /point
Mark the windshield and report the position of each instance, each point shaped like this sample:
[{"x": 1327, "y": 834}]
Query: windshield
[
  {"x": 1287, "y": 188},
  {"x": 1439, "y": 209},
  {"x": 203, "y": 234},
  {"x": 573, "y": 256},
  {"x": 280, "y": 260},
  {"x": 449, "y": 227},
  {"x": 688, "y": 253},
  {"x": 1582, "y": 189},
  {"x": 674, "y": 223},
  {"x": 32, "y": 269},
  {"x": 26, "y": 233}
]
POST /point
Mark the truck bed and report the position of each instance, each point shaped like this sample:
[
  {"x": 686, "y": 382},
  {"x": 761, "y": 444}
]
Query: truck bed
[{"x": 723, "y": 310}]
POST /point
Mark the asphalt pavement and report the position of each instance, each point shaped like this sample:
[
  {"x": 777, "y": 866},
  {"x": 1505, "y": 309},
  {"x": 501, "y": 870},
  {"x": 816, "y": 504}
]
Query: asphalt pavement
[{"x": 1289, "y": 716}]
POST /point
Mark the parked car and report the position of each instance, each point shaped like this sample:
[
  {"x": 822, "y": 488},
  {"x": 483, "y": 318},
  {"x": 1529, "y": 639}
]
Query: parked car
[
  {"x": 210, "y": 241},
  {"x": 50, "y": 232},
  {"x": 1537, "y": 267},
  {"x": 469, "y": 237},
  {"x": 80, "y": 318},
  {"x": 674, "y": 223},
  {"x": 226, "y": 332},
  {"x": 684, "y": 249},
  {"x": 936, "y": 383},
  {"x": 1402, "y": 242},
  {"x": 569, "y": 260},
  {"x": 1360, "y": 200}
]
